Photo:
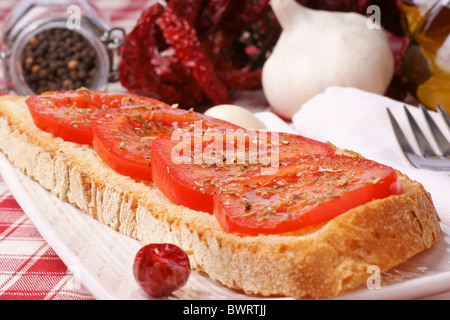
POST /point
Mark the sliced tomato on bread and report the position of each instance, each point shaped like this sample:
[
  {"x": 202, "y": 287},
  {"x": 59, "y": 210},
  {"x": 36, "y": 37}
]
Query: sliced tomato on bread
[
  {"x": 67, "y": 114},
  {"x": 187, "y": 168},
  {"x": 123, "y": 137},
  {"x": 304, "y": 192},
  {"x": 255, "y": 182}
]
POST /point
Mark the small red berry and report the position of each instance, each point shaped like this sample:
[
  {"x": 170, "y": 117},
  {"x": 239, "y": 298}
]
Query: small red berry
[{"x": 161, "y": 268}]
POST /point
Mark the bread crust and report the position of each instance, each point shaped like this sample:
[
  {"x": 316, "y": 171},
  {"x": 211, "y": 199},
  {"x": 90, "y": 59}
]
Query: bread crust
[{"x": 322, "y": 262}]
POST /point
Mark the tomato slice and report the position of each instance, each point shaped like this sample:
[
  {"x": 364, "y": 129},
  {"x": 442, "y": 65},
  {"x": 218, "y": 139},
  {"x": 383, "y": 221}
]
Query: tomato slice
[
  {"x": 305, "y": 191},
  {"x": 67, "y": 114},
  {"x": 187, "y": 168},
  {"x": 123, "y": 137}
]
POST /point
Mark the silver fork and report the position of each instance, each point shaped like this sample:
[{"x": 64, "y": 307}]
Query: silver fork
[{"x": 429, "y": 158}]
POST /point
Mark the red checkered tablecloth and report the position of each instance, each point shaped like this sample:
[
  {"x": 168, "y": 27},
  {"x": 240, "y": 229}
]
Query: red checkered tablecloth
[{"x": 29, "y": 268}]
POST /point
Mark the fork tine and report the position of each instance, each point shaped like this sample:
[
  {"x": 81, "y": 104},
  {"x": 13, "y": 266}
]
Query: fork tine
[
  {"x": 444, "y": 115},
  {"x": 424, "y": 146},
  {"x": 401, "y": 138},
  {"x": 440, "y": 139}
]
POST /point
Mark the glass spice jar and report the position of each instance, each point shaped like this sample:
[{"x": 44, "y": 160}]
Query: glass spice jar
[
  {"x": 426, "y": 60},
  {"x": 58, "y": 45}
]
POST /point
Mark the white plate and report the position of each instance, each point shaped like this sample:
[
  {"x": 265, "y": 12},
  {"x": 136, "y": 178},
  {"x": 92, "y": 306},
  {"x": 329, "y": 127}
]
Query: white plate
[{"x": 102, "y": 258}]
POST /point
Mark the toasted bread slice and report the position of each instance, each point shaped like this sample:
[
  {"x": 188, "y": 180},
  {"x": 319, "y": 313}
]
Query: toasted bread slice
[{"x": 322, "y": 261}]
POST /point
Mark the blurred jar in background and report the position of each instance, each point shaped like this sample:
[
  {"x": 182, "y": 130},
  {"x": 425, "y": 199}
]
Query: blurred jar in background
[
  {"x": 426, "y": 60},
  {"x": 413, "y": 12},
  {"x": 58, "y": 45}
]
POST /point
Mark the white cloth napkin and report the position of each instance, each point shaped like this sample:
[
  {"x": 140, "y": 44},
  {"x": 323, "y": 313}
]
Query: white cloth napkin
[{"x": 357, "y": 120}]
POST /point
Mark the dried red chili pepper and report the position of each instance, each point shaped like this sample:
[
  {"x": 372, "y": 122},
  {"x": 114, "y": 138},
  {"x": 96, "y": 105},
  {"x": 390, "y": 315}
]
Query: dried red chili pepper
[
  {"x": 189, "y": 9},
  {"x": 138, "y": 44},
  {"x": 246, "y": 12},
  {"x": 193, "y": 52},
  {"x": 212, "y": 15},
  {"x": 183, "y": 38},
  {"x": 150, "y": 68}
]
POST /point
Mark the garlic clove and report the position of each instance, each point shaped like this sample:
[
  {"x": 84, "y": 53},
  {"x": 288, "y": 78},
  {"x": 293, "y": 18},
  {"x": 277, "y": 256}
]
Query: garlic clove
[{"x": 236, "y": 115}]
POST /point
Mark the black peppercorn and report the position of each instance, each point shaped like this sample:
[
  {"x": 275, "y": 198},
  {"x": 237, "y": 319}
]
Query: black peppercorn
[{"x": 58, "y": 59}]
